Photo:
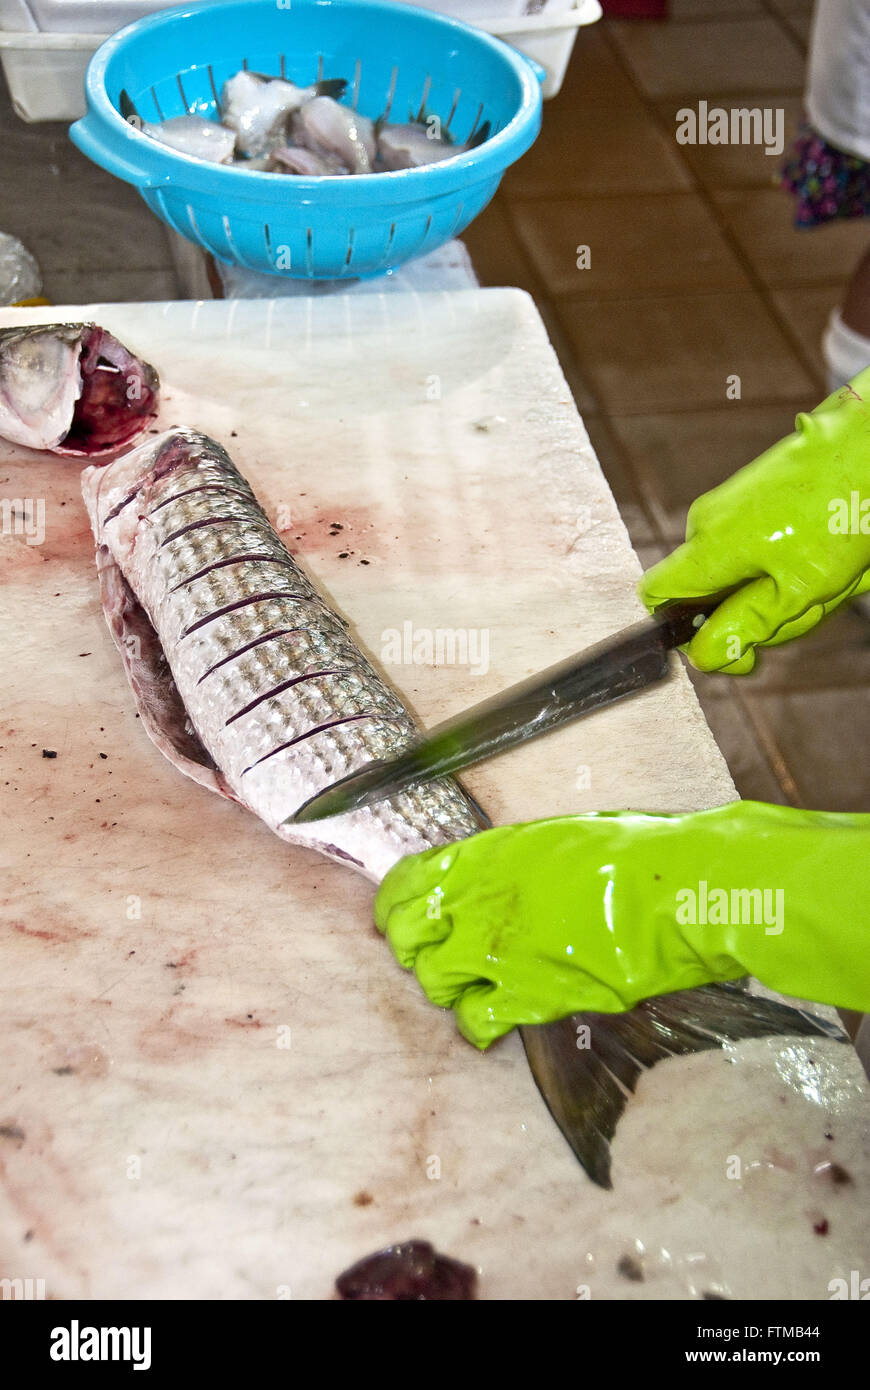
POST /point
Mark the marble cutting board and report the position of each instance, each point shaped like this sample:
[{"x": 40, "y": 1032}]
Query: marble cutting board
[{"x": 217, "y": 1082}]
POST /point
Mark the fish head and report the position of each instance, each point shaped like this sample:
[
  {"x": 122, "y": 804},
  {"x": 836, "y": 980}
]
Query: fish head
[
  {"x": 40, "y": 382},
  {"x": 73, "y": 389}
]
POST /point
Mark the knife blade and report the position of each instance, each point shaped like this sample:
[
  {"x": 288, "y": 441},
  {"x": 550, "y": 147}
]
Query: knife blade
[{"x": 622, "y": 665}]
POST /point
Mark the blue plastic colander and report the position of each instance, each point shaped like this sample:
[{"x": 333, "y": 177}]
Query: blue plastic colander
[{"x": 397, "y": 60}]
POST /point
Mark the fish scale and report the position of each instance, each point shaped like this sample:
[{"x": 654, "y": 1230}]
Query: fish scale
[
  {"x": 219, "y": 590},
  {"x": 296, "y": 654},
  {"x": 281, "y": 697}
]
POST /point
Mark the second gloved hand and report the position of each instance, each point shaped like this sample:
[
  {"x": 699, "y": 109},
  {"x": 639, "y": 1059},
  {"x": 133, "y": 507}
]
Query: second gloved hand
[
  {"x": 528, "y": 923},
  {"x": 783, "y": 530}
]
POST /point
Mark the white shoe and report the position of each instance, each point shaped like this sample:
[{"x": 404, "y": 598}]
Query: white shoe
[{"x": 846, "y": 352}]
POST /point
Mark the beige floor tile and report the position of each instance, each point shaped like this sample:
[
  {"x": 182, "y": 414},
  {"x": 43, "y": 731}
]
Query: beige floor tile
[
  {"x": 821, "y": 735},
  {"x": 806, "y": 313},
  {"x": 836, "y": 653},
  {"x": 782, "y": 254},
  {"x": 640, "y": 245},
  {"x": 616, "y": 470},
  {"x": 598, "y": 149},
  {"x": 677, "y": 457},
  {"x": 677, "y": 353},
  {"x": 596, "y": 75},
  {"x": 711, "y": 56},
  {"x": 739, "y": 166}
]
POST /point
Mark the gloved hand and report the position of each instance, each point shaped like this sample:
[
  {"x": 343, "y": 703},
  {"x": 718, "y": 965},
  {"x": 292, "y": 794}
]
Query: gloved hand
[
  {"x": 529, "y": 923},
  {"x": 775, "y": 529}
]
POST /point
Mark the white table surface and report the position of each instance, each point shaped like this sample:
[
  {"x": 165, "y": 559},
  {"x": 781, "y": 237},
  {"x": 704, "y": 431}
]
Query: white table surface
[{"x": 155, "y": 1140}]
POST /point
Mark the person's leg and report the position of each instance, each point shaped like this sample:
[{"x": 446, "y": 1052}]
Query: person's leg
[
  {"x": 855, "y": 309},
  {"x": 837, "y": 101},
  {"x": 847, "y": 337}
]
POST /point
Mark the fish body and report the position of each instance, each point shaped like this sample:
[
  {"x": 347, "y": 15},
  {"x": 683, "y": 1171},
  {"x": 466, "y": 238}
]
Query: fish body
[
  {"x": 282, "y": 699},
  {"x": 253, "y": 686},
  {"x": 293, "y": 159},
  {"x": 272, "y": 125},
  {"x": 415, "y": 145},
  {"x": 331, "y": 130},
  {"x": 196, "y": 136},
  {"x": 411, "y": 147},
  {"x": 72, "y": 388},
  {"x": 257, "y": 108},
  {"x": 259, "y": 163}
]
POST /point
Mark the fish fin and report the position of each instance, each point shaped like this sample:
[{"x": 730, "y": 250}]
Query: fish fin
[
  {"x": 587, "y": 1087},
  {"x": 483, "y": 819},
  {"x": 423, "y": 117},
  {"x": 479, "y": 136},
  {"x": 334, "y": 87},
  {"x": 127, "y": 107},
  {"x": 158, "y": 701}
]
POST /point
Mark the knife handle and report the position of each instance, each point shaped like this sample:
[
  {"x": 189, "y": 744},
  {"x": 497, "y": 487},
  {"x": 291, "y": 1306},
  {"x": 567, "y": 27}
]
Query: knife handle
[{"x": 680, "y": 618}]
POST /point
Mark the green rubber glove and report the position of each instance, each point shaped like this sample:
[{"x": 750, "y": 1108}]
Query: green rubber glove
[
  {"x": 787, "y": 528},
  {"x": 529, "y": 923}
]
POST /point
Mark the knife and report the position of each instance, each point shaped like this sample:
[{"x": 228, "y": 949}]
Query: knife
[{"x": 629, "y": 662}]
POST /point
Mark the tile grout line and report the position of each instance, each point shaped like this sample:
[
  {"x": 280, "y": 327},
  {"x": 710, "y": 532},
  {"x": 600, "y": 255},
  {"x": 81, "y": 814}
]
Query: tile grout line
[
  {"x": 568, "y": 361},
  {"x": 769, "y": 745},
  {"x": 630, "y": 195},
  {"x": 764, "y": 738},
  {"x": 763, "y": 403},
  {"x": 649, "y": 503},
  {"x": 755, "y": 280},
  {"x": 759, "y": 285},
  {"x": 638, "y": 478},
  {"x": 625, "y": 296},
  {"x": 793, "y": 33}
]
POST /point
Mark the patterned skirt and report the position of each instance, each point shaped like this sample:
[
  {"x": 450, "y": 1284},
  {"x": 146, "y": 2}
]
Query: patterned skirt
[{"x": 825, "y": 182}]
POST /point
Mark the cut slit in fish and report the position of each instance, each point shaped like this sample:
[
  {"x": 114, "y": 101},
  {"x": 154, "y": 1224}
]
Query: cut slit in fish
[{"x": 206, "y": 647}]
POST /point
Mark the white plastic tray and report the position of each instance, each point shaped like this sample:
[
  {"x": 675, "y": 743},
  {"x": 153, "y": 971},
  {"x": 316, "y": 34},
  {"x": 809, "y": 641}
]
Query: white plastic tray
[{"x": 45, "y": 45}]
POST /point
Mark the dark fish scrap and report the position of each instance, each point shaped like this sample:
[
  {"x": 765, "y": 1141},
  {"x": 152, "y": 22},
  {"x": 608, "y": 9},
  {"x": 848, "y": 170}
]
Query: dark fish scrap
[{"x": 411, "y": 1272}]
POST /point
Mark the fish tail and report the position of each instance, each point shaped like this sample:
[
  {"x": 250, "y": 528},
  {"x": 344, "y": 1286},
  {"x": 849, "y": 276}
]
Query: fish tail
[
  {"x": 479, "y": 136},
  {"x": 587, "y": 1065},
  {"x": 334, "y": 87}
]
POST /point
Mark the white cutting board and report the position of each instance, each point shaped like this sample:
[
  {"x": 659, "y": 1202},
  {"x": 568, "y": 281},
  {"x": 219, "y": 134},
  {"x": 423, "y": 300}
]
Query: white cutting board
[{"x": 158, "y": 944}]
